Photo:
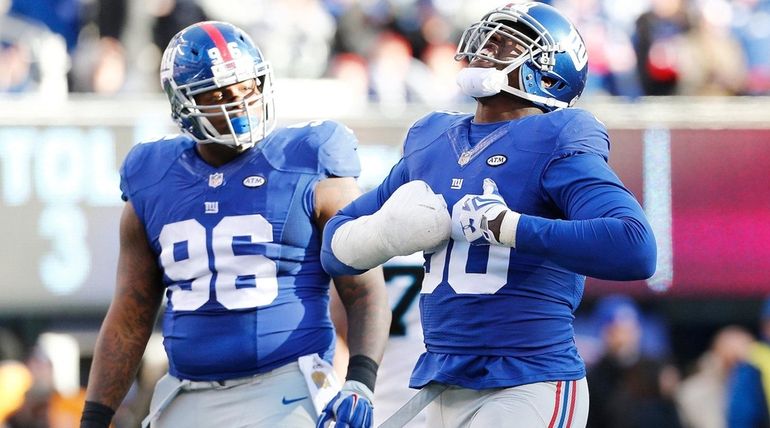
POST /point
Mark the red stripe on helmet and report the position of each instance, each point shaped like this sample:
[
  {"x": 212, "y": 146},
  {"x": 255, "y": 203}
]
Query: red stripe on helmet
[{"x": 219, "y": 41}]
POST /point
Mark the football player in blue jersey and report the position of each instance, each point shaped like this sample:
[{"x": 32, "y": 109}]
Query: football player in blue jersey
[
  {"x": 512, "y": 207},
  {"x": 225, "y": 220}
]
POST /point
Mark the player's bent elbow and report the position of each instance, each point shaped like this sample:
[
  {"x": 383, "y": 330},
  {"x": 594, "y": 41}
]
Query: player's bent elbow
[
  {"x": 334, "y": 267},
  {"x": 641, "y": 251},
  {"x": 330, "y": 262},
  {"x": 643, "y": 261},
  {"x": 646, "y": 268}
]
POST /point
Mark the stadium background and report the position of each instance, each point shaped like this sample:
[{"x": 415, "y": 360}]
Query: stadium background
[{"x": 690, "y": 133}]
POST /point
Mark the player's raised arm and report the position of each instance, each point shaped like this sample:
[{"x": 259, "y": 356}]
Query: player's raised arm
[{"x": 127, "y": 326}]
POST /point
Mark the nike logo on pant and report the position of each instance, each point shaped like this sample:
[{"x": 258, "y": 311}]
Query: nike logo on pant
[{"x": 293, "y": 400}]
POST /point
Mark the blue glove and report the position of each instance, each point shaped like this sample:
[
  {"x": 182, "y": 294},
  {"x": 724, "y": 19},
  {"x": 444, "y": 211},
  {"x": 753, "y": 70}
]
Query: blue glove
[
  {"x": 478, "y": 210},
  {"x": 350, "y": 408}
]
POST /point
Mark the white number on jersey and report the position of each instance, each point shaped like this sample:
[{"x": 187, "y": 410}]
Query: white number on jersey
[
  {"x": 186, "y": 241},
  {"x": 490, "y": 281}
]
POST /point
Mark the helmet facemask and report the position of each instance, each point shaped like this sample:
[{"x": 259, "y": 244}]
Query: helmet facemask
[
  {"x": 535, "y": 56},
  {"x": 529, "y": 44},
  {"x": 249, "y": 120}
]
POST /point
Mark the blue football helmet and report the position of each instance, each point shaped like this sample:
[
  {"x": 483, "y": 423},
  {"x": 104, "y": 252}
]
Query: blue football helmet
[
  {"x": 207, "y": 56},
  {"x": 552, "y": 59}
]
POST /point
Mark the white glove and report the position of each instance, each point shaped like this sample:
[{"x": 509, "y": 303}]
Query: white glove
[
  {"x": 412, "y": 219},
  {"x": 350, "y": 408},
  {"x": 478, "y": 210}
]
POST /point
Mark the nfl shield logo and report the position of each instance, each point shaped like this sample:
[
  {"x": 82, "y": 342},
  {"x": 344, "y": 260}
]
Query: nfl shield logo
[{"x": 216, "y": 180}]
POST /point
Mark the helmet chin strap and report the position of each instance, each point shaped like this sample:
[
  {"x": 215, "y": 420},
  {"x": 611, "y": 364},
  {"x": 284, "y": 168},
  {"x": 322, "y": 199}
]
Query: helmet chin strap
[
  {"x": 550, "y": 102},
  {"x": 484, "y": 82}
]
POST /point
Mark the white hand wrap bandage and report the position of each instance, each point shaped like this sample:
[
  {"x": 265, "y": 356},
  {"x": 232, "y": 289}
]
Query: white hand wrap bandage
[
  {"x": 413, "y": 219},
  {"x": 508, "y": 230},
  {"x": 479, "y": 210}
]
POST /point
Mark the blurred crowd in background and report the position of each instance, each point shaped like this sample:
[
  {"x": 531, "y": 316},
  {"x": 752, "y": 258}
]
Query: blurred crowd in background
[{"x": 392, "y": 51}]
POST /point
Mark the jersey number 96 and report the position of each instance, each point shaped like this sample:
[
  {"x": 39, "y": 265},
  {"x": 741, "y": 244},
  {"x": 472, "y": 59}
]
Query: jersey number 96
[{"x": 242, "y": 281}]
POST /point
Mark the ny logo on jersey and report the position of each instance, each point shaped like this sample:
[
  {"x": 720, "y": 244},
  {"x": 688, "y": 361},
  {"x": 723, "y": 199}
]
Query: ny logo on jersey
[
  {"x": 216, "y": 179},
  {"x": 457, "y": 183},
  {"x": 211, "y": 207}
]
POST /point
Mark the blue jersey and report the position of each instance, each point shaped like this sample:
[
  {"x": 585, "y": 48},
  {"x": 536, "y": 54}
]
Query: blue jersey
[
  {"x": 238, "y": 248},
  {"x": 498, "y": 317}
]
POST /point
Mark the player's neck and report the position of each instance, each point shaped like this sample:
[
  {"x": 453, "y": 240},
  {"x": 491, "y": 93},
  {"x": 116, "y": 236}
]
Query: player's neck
[
  {"x": 217, "y": 155},
  {"x": 502, "y": 108}
]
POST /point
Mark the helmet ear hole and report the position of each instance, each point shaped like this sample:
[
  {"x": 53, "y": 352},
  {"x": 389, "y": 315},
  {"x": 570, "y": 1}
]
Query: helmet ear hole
[{"x": 553, "y": 84}]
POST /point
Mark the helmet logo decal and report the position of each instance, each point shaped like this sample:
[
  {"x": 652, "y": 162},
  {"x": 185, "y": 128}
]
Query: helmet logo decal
[
  {"x": 519, "y": 7},
  {"x": 576, "y": 49}
]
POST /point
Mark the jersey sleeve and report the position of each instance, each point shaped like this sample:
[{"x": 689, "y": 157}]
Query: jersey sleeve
[
  {"x": 605, "y": 234},
  {"x": 366, "y": 204},
  {"x": 337, "y": 154},
  {"x": 130, "y": 170},
  {"x": 583, "y": 133},
  {"x": 146, "y": 164},
  {"x": 325, "y": 148}
]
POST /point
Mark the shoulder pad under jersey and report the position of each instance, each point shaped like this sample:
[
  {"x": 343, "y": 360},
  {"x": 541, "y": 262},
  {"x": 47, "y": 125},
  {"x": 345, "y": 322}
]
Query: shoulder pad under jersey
[
  {"x": 146, "y": 163},
  {"x": 317, "y": 147},
  {"x": 581, "y": 132}
]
